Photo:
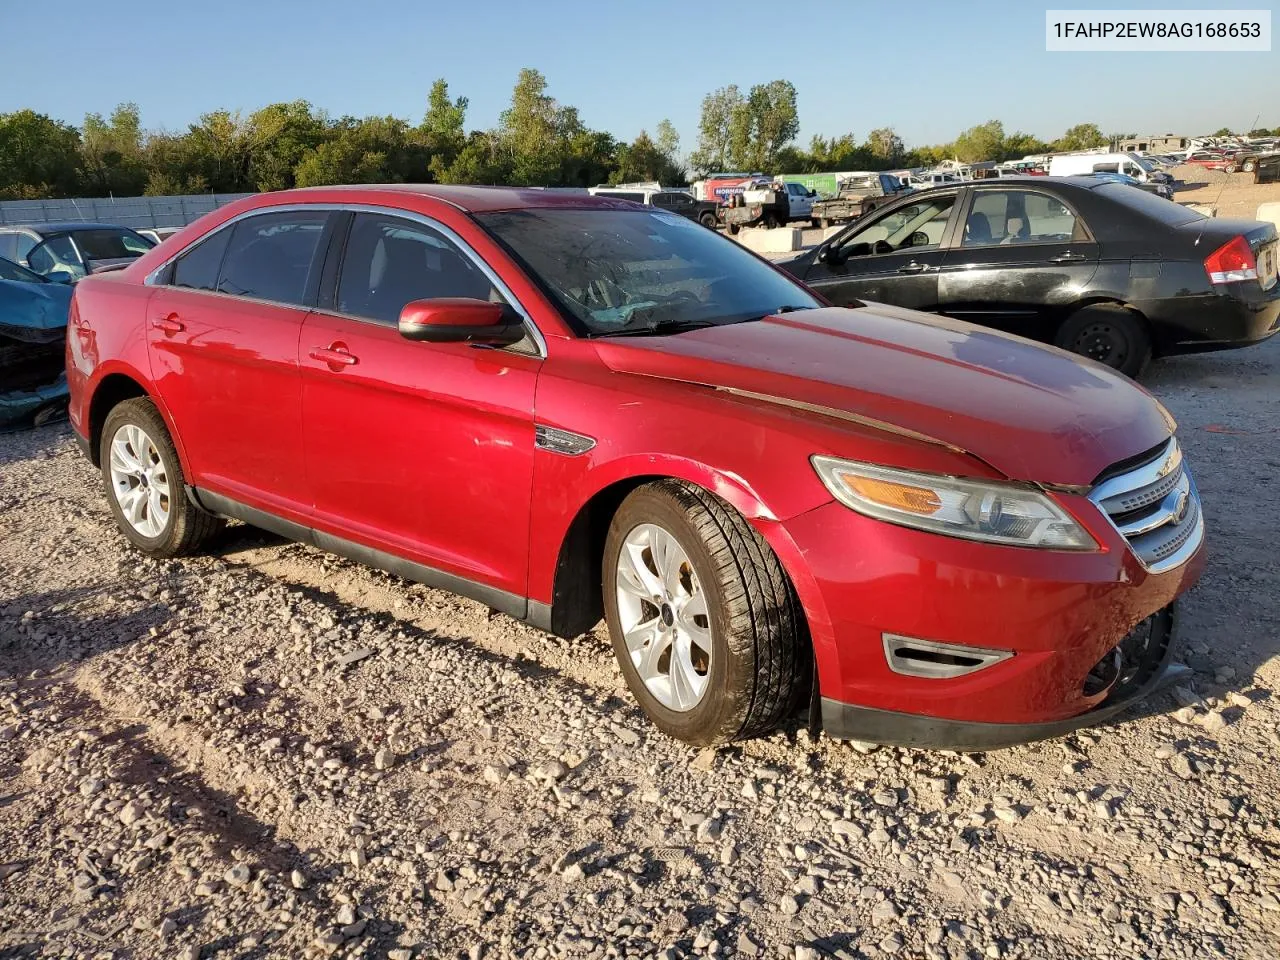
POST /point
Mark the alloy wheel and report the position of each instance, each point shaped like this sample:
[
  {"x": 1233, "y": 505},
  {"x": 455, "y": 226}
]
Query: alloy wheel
[
  {"x": 139, "y": 480},
  {"x": 664, "y": 617}
]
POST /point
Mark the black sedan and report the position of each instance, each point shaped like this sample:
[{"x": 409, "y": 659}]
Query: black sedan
[{"x": 1099, "y": 268}]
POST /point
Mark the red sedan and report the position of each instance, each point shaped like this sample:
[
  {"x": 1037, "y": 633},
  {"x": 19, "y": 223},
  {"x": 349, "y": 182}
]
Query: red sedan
[{"x": 571, "y": 408}]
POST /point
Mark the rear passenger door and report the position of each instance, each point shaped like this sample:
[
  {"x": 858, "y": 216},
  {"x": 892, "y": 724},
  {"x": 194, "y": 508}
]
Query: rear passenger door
[
  {"x": 423, "y": 450},
  {"x": 1020, "y": 258},
  {"x": 223, "y": 332}
]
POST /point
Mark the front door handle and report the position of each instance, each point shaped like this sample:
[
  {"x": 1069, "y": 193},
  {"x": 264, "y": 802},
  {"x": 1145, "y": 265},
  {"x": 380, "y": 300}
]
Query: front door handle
[
  {"x": 336, "y": 355},
  {"x": 169, "y": 324},
  {"x": 913, "y": 267}
]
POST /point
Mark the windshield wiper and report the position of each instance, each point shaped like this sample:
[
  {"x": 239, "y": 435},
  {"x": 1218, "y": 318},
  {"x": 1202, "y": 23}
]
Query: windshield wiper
[{"x": 659, "y": 328}]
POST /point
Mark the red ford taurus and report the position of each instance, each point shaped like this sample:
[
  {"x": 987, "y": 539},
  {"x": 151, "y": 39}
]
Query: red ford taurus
[{"x": 571, "y": 408}]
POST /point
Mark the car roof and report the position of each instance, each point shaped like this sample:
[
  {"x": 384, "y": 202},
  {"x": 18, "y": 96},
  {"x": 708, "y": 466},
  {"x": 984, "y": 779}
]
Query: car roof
[
  {"x": 469, "y": 199},
  {"x": 61, "y": 226}
]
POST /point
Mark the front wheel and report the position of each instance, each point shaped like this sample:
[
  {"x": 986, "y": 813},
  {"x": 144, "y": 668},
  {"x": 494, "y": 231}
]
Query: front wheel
[
  {"x": 1229, "y": 168},
  {"x": 145, "y": 485},
  {"x": 708, "y": 220},
  {"x": 1249, "y": 166},
  {"x": 1109, "y": 334},
  {"x": 704, "y": 623}
]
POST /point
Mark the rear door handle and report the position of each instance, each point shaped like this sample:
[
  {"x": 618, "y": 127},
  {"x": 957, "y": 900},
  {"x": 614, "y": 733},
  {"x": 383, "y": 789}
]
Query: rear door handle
[
  {"x": 1067, "y": 258},
  {"x": 169, "y": 324},
  {"x": 913, "y": 267},
  {"x": 336, "y": 355}
]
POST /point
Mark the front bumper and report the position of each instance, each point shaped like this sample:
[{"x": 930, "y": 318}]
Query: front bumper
[
  {"x": 849, "y": 721},
  {"x": 1059, "y": 613}
]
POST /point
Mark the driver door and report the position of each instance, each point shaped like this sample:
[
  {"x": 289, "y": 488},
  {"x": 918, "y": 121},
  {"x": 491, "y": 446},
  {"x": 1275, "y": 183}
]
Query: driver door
[{"x": 889, "y": 257}]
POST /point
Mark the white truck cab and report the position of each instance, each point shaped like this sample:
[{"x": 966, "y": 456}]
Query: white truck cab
[{"x": 1130, "y": 164}]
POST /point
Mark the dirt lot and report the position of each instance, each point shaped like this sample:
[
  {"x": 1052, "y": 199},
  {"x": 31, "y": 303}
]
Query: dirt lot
[
  {"x": 1234, "y": 194},
  {"x": 266, "y": 752}
]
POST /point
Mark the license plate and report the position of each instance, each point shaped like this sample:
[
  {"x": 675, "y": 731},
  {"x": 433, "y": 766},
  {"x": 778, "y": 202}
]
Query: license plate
[{"x": 1267, "y": 266}]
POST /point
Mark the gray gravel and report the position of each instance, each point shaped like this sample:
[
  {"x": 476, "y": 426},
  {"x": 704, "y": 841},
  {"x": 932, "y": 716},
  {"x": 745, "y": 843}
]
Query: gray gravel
[{"x": 268, "y": 752}]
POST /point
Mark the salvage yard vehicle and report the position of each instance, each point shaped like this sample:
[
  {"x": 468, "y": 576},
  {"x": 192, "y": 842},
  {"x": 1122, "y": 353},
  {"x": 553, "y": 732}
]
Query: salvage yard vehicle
[
  {"x": 33, "y": 328},
  {"x": 71, "y": 249},
  {"x": 857, "y": 197},
  {"x": 1097, "y": 268},
  {"x": 577, "y": 408},
  {"x": 1130, "y": 164},
  {"x": 762, "y": 203},
  {"x": 1267, "y": 169},
  {"x": 673, "y": 201}
]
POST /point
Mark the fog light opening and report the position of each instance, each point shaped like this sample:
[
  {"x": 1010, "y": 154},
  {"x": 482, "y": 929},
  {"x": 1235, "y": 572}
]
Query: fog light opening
[{"x": 912, "y": 657}]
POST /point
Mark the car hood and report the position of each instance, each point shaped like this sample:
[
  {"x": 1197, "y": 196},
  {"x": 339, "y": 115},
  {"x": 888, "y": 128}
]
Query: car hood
[
  {"x": 1033, "y": 413},
  {"x": 34, "y": 312}
]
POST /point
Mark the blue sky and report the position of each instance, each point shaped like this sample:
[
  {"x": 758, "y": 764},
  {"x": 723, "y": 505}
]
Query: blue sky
[{"x": 626, "y": 66}]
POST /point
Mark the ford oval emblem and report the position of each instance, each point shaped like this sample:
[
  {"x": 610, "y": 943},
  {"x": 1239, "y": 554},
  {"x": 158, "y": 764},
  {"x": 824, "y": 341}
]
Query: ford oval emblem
[{"x": 1183, "y": 505}]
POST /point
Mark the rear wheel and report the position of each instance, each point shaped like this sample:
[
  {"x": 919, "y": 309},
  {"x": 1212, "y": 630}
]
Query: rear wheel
[
  {"x": 1229, "y": 168},
  {"x": 1109, "y": 334},
  {"x": 1249, "y": 166},
  {"x": 733, "y": 229},
  {"x": 770, "y": 221},
  {"x": 145, "y": 485},
  {"x": 704, "y": 622}
]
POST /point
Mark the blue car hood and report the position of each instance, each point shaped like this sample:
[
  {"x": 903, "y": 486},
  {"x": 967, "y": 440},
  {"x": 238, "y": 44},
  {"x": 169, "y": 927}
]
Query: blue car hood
[{"x": 34, "y": 312}]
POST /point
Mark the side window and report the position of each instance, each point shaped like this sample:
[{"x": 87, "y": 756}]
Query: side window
[
  {"x": 915, "y": 227},
  {"x": 197, "y": 269},
  {"x": 1106, "y": 168},
  {"x": 9, "y": 246},
  {"x": 390, "y": 262},
  {"x": 23, "y": 245},
  {"x": 661, "y": 200},
  {"x": 270, "y": 256},
  {"x": 1009, "y": 217}
]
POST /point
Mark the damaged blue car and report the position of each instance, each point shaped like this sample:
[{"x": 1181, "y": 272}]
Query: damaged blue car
[{"x": 33, "y": 331}]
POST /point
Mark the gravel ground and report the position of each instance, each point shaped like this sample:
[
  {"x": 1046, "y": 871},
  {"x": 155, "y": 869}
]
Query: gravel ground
[{"x": 267, "y": 752}]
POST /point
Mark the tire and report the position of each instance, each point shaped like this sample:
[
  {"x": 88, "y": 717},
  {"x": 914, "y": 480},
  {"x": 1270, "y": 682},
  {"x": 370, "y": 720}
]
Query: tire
[
  {"x": 1249, "y": 166},
  {"x": 708, "y": 220},
  {"x": 824, "y": 223},
  {"x": 174, "y": 528},
  {"x": 734, "y": 228},
  {"x": 1109, "y": 334},
  {"x": 756, "y": 663},
  {"x": 1229, "y": 168},
  {"x": 770, "y": 221}
]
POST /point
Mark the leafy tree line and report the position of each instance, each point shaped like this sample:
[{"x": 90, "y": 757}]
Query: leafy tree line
[{"x": 537, "y": 142}]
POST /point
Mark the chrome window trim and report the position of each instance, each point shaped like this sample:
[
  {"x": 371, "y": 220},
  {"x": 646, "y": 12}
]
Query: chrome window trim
[{"x": 152, "y": 279}]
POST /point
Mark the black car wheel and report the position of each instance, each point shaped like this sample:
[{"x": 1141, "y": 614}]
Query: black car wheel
[
  {"x": 706, "y": 628},
  {"x": 1110, "y": 335},
  {"x": 708, "y": 220}
]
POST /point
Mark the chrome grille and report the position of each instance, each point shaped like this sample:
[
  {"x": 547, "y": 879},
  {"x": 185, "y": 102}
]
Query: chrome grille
[{"x": 1156, "y": 508}]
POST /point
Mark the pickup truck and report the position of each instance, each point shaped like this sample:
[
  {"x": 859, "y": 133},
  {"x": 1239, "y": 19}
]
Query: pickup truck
[
  {"x": 857, "y": 197},
  {"x": 767, "y": 203}
]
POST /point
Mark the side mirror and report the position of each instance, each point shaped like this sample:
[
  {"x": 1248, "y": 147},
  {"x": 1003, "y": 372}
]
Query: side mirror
[
  {"x": 812, "y": 193},
  {"x": 459, "y": 320}
]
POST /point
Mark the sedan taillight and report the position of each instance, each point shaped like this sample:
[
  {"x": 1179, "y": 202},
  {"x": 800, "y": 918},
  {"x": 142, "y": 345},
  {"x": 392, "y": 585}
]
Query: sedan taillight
[{"x": 1232, "y": 262}]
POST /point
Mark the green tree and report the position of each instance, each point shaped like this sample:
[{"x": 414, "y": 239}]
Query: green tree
[
  {"x": 774, "y": 122},
  {"x": 1083, "y": 136},
  {"x": 530, "y": 130},
  {"x": 1224, "y": 132},
  {"x": 983, "y": 142},
  {"x": 112, "y": 152},
  {"x": 39, "y": 156},
  {"x": 1018, "y": 145},
  {"x": 885, "y": 145},
  {"x": 443, "y": 128},
  {"x": 723, "y": 112},
  {"x": 278, "y": 137}
]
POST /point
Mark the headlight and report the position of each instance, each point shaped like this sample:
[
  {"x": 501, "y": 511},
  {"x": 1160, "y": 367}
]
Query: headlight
[{"x": 973, "y": 509}]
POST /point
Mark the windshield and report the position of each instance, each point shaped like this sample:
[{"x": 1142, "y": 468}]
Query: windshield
[
  {"x": 615, "y": 271},
  {"x": 110, "y": 244}
]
